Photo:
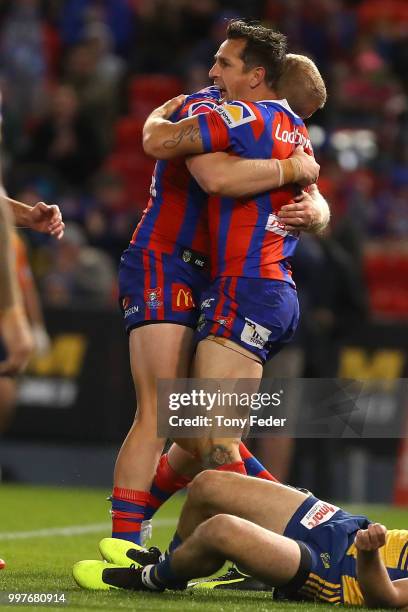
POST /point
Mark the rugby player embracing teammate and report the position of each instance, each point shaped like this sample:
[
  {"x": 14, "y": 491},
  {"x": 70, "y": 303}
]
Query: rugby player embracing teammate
[
  {"x": 157, "y": 285},
  {"x": 250, "y": 310}
]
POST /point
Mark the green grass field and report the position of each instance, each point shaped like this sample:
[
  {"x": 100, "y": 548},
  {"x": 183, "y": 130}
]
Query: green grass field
[{"x": 39, "y": 553}]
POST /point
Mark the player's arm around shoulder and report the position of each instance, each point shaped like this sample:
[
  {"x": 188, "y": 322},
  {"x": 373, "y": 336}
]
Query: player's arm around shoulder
[
  {"x": 376, "y": 586},
  {"x": 236, "y": 177},
  {"x": 163, "y": 139}
]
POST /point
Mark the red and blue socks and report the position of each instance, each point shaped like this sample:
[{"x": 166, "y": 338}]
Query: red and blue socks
[
  {"x": 238, "y": 467},
  {"x": 166, "y": 482},
  {"x": 253, "y": 466},
  {"x": 160, "y": 576},
  {"x": 128, "y": 512}
]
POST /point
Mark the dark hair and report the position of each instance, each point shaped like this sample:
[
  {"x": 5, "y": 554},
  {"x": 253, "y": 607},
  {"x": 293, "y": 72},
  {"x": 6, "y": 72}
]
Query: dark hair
[{"x": 264, "y": 47}]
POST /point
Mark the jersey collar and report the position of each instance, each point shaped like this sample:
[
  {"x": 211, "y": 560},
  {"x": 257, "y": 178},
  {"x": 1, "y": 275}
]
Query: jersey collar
[{"x": 283, "y": 103}]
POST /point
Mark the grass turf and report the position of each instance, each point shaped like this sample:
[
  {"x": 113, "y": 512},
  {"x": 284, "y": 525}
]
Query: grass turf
[{"x": 41, "y": 562}]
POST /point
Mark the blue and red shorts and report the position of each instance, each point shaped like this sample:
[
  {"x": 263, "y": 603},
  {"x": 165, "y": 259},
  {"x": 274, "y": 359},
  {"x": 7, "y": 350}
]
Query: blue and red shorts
[
  {"x": 259, "y": 314},
  {"x": 161, "y": 287}
]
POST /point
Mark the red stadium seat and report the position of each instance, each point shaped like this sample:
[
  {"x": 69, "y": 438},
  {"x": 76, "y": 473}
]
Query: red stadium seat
[
  {"x": 136, "y": 170},
  {"x": 387, "y": 281},
  {"x": 128, "y": 134},
  {"x": 148, "y": 91}
]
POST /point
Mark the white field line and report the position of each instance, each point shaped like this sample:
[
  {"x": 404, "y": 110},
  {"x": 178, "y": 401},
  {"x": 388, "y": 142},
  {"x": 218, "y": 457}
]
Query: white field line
[{"x": 73, "y": 530}]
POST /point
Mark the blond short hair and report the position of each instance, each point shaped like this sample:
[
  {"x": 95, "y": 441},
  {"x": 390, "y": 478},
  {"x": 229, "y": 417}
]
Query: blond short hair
[{"x": 302, "y": 85}]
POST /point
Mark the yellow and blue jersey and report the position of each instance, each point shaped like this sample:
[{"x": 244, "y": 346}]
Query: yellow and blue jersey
[
  {"x": 329, "y": 532},
  {"x": 394, "y": 555}
]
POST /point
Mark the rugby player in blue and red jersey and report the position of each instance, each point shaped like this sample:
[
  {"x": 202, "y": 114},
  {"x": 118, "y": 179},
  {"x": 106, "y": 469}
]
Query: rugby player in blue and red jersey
[
  {"x": 159, "y": 285},
  {"x": 250, "y": 310}
]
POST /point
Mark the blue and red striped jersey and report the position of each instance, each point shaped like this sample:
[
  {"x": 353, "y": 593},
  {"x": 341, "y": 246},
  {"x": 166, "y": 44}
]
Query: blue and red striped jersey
[
  {"x": 246, "y": 237},
  {"x": 176, "y": 215}
]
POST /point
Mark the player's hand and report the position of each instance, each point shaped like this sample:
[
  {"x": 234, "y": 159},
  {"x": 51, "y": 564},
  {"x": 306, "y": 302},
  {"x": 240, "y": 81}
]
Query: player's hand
[
  {"x": 46, "y": 219},
  {"x": 41, "y": 339},
  {"x": 370, "y": 539},
  {"x": 15, "y": 333},
  {"x": 302, "y": 214},
  {"x": 310, "y": 167},
  {"x": 168, "y": 108}
]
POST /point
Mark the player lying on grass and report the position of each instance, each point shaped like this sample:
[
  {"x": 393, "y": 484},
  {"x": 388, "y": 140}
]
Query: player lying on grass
[{"x": 307, "y": 548}]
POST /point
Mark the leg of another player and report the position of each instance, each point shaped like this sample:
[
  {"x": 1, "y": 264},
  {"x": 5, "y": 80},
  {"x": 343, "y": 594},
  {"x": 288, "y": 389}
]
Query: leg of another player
[
  {"x": 180, "y": 464},
  {"x": 183, "y": 462},
  {"x": 213, "y": 360},
  {"x": 174, "y": 471},
  {"x": 7, "y": 401},
  {"x": 270, "y": 557},
  {"x": 140, "y": 453},
  {"x": 212, "y": 492}
]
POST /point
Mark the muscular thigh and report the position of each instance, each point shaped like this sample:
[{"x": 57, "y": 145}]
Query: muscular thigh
[
  {"x": 262, "y": 553},
  {"x": 162, "y": 350},
  {"x": 268, "y": 504},
  {"x": 214, "y": 360}
]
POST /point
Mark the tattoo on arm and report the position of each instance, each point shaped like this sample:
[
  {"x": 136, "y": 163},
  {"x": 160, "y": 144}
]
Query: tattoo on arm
[
  {"x": 216, "y": 456},
  {"x": 186, "y": 134}
]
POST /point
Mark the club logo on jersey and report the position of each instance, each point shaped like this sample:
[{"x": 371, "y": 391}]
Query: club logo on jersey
[
  {"x": 325, "y": 557},
  {"x": 225, "y": 321},
  {"x": 294, "y": 137},
  {"x": 194, "y": 258},
  {"x": 181, "y": 297},
  {"x": 203, "y": 106},
  {"x": 127, "y": 308},
  {"x": 206, "y": 303},
  {"x": 152, "y": 298},
  {"x": 255, "y": 334},
  {"x": 187, "y": 255},
  {"x": 236, "y": 113},
  {"x": 319, "y": 513}
]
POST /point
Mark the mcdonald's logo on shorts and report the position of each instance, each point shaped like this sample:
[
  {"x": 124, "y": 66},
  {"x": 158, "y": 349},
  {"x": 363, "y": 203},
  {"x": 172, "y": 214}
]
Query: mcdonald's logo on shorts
[{"x": 181, "y": 297}]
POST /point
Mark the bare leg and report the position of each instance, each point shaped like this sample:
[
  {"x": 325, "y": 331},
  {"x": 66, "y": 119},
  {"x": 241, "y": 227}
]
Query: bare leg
[
  {"x": 140, "y": 452},
  {"x": 213, "y": 361},
  {"x": 267, "y": 556},
  {"x": 183, "y": 462},
  {"x": 7, "y": 401},
  {"x": 212, "y": 492}
]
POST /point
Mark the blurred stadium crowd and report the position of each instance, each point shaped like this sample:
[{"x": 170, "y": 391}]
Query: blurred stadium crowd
[{"x": 78, "y": 78}]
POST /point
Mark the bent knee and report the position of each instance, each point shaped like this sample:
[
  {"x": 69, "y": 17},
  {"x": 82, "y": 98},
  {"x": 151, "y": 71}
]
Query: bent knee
[
  {"x": 208, "y": 487},
  {"x": 205, "y": 487},
  {"x": 218, "y": 530}
]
